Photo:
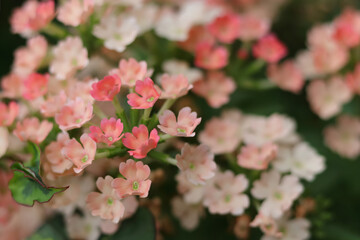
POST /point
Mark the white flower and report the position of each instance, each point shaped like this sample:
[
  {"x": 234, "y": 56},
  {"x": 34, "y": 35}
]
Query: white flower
[
  {"x": 176, "y": 67},
  {"x": 188, "y": 214},
  {"x": 294, "y": 229},
  {"x": 301, "y": 160},
  {"x": 279, "y": 193},
  {"x": 117, "y": 32},
  {"x": 4, "y": 140}
]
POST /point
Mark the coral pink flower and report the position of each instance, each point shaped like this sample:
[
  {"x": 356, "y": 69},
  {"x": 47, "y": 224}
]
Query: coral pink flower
[
  {"x": 75, "y": 12},
  {"x": 146, "y": 95},
  {"x": 53, "y": 104},
  {"x": 174, "y": 86},
  {"x": 327, "y": 97},
  {"x": 8, "y": 113},
  {"x": 253, "y": 157},
  {"x": 215, "y": 89},
  {"x": 287, "y": 76},
  {"x": 329, "y": 59},
  {"x": 110, "y": 131},
  {"x": 58, "y": 162},
  {"x": 225, "y": 28},
  {"x": 106, "y": 89},
  {"x": 74, "y": 114},
  {"x": 225, "y": 194},
  {"x": 81, "y": 155},
  {"x": 12, "y": 86},
  {"x": 279, "y": 193},
  {"x": 210, "y": 57},
  {"x": 270, "y": 49},
  {"x": 197, "y": 35},
  {"x": 70, "y": 55},
  {"x": 28, "y": 59},
  {"x": 32, "y": 16},
  {"x": 30, "y": 129},
  {"x": 140, "y": 141},
  {"x": 267, "y": 225},
  {"x": 135, "y": 181},
  {"x": 353, "y": 80},
  {"x": 105, "y": 204},
  {"x": 221, "y": 135},
  {"x": 131, "y": 71},
  {"x": 347, "y": 28},
  {"x": 183, "y": 127},
  {"x": 252, "y": 27},
  {"x": 197, "y": 163},
  {"x": 35, "y": 86}
]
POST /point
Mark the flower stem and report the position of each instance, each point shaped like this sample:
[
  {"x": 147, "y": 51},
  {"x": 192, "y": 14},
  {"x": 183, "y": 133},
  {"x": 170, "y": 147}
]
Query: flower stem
[
  {"x": 54, "y": 30},
  {"x": 146, "y": 115},
  {"x": 163, "y": 157},
  {"x": 168, "y": 103},
  {"x": 99, "y": 112},
  {"x": 120, "y": 113}
]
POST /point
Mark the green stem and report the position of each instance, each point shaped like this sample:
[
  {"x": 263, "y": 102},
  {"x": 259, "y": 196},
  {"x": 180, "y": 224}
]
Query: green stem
[
  {"x": 99, "y": 112},
  {"x": 111, "y": 152},
  {"x": 254, "y": 67},
  {"x": 146, "y": 115},
  {"x": 134, "y": 116},
  {"x": 55, "y": 30},
  {"x": 165, "y": 137},
  {"x": 162, "y": 157},
  {"x": 168, "y": 103},
  {"x": 120, "y": 113}
]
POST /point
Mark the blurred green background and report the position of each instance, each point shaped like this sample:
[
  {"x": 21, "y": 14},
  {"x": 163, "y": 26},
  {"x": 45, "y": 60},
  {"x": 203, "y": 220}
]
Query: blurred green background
[{"x": 340, "y": 183}]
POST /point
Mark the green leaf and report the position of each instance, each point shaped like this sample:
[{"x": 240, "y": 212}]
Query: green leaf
[
  {"x": 53, "y": 229},
  {"x": 140, "y": 226},
  {"x": 26, "y": 186}
]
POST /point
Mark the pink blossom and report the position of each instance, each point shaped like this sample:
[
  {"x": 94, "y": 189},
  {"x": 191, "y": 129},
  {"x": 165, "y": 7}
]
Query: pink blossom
[
  {"x": 279, "y": 193},
  {"x": 210, "y": 57},
  {"x": 197, "y": 34},
  {"x": 347, "y": 28},
  {"x": 192, "y": 193},
  {"x": 287, "y": 76},
  {"x": 146, "y": 95},
  {"x": 225, "y": 194},
  {"x": 177, "y": 67},
  {"x": 353, "y": 80},
  {"x": 135, "y": 181},
  {"x": 253, "y": 157},
  {"x": 8, "y": 113},
  {"x": 28, "y": 59},
  {"x": 267, "y": 225},
  {"x": 31, "y": 129},
  {"x": 69, "y": 56},
  {"x": 74, "y": 114},
  {"x": 174, "y": 86},
  {"x": 343, "y": 138},
  {"x": 225, "y": 28},
  {"x": 32, "y": 16},
  {"x": 140, "y": 141},
  {"x": 35, "y": 86},
  {"x": 221, "y": 135},
  {"x": 110, "y": 131},
  {"x": 197, "y": 163},
  {"x": 12, "y": 86},
  {"x": 269, "y": 49},
  {"x": 53, "y": 152},
  {"x": 106, "y": 89},
  {"x": 329, "y": 59},
  {"x": 188, "y": 214},
  {"x": 81, "y": 155},
  {"x": 215, "y": 89},
  {"x": 105, "y": 204},
  {"x": 80, "y": 89},
  {"x": 131, "y": 71},
  {"x": 53, "y": 104},
  {"x": 75, "y": 12},
  {"x": 252, "y": 27},
  {"x": 183, "y": 126},
  {"x": 327, "y": 97}
]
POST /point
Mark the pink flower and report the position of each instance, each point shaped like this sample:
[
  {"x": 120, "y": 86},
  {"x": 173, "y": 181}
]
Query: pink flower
[
  {"x": 35, "y": 86},
  {"x": 225, "y": 28},
  {"x": 32, "y": 16},
  {"x": 353, "y": 80},
  {"x": 75, "y": 12},
  {"x": 174, "y": 86},
  {"x": 8, "y": 113},
  {"x": 270, "y": 49},
  {"x": 30, "y": 129},
  {"x": 135, "y": 181},
  {"x": 53, "y": 104},
  {"x": 197, "y": 163},
  {"x": 81, "y": 155},
  {"x": 215, "y": 89},
  {"x": 70, "y": 55},
  {"x": 347, "y": 28},
  {"x": 225, "y": 194},
  {"x": 140, "y": 141},
  {"x": 131, "y": 71},
  {"x": 192, "y": 193},
  {"x": 146, "y": 95},
  {"x": 183, "y": 127},
  {"x": 197, "y": 35},
  {"x": 253, "y": 157},
  {"x": 105, "y": 204},
  {"x": 106, "y": 89},
  {"x": 210, "y": 57},
  {"x": 287, "y": 76},
  {"x": 53, "y": 152},
  {"x": 279, "y": 193},
  {"x": 252, "y": 27},
  {"x": 109, "y": 133},
  {"x": 267, "y": 225},
  {"x": 188, "y": 214},
  {"x": 12, "y": 86},
  {"x": 74, "y": 114},
  {"x": 29, "y": 58},
  {"x": 327, "y": 97}
]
